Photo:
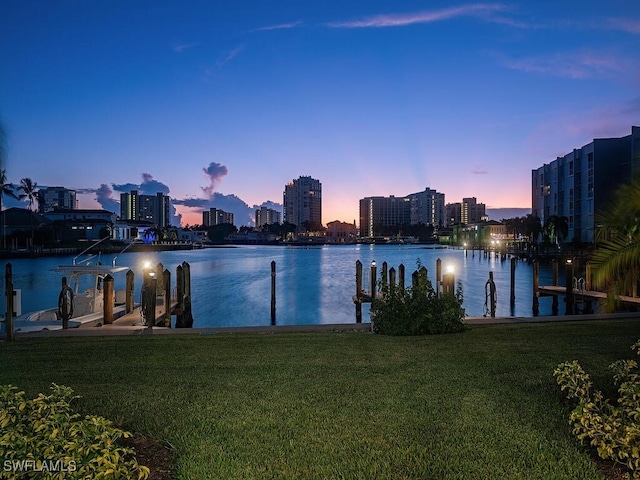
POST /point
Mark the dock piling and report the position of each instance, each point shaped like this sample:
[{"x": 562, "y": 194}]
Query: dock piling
[
  {"x": 108, "y": 300},
  {"x": 273, "y": 292},
  {"x": 358, "y": 296},
  {"x": 9, "y": 296}
]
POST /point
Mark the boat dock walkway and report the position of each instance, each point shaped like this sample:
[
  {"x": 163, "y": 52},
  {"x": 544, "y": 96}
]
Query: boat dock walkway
[
  {"x": 124, "y": 328},
  {"x": 625, "y": 300}
]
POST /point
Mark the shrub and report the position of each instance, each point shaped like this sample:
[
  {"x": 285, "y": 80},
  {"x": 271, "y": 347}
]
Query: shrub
[
  {"x": 613, "y": 429},
  {"x": 44, "y": 438},
  {"x": 417, "y": 310}
]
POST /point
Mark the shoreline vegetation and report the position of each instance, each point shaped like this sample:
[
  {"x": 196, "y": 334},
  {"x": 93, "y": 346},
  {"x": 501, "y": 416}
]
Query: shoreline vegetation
[{"x": 477, "y": 404}]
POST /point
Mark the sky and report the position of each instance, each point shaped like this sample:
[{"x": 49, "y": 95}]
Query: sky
[{"x": 221, "y": 103}]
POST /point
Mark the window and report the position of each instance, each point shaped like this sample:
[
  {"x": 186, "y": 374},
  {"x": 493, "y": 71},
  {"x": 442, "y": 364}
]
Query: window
[{"x": 571, "y": 167}]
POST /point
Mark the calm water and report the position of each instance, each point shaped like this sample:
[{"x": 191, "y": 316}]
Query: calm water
[{"x": 231, "y": 286}]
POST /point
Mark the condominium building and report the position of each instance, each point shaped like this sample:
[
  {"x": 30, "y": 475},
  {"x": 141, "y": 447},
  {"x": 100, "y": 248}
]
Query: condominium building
[
  {"x": 56, "y": 198},
  {"x": 151, "y": 209},
  {"x": 580, "y": 184},
  {"x": 215, "y": 216},
  {"x": 466, "y": 212},
  {"x": 380, "y": 216},
  {"x": 302, "y": 203},
  {"x": 427, "y": 208},
  {"x": 383, "y": 216},
  {"x": 267, "y": 216}
]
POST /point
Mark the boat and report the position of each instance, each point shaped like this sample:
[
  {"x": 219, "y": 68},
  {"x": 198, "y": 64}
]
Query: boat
[{"x": 82, "y": 296}]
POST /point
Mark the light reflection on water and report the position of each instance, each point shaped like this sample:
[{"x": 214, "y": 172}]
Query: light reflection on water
[{"x": 231, "y": 286}]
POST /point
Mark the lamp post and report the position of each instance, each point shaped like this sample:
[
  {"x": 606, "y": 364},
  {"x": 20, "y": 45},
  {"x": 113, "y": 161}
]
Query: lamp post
[{"x": 448, "y": 280}]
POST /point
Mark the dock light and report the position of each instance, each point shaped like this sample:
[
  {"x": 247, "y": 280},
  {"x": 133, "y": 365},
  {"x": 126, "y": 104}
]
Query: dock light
[
  {"x": 569, "y": 261},
  {"x": 464, "y": 244},
  {"x": 450, "y": 268},
  {"x": 373, "y": 263}
]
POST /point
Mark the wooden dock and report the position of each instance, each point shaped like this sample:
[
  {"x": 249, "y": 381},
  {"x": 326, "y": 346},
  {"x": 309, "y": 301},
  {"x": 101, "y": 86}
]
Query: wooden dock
[{"x": 549, "y": 291}]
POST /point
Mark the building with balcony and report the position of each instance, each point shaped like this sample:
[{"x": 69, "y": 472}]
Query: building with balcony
[
  {"x": 215, "y": 216},
  {"x": 302, "y": 204},
  {"x": 148, "y": 209},
  {"x": 53, "y": 198},
  {"x": 580, "y": 184},
  {"x": 267, "y": 216}
]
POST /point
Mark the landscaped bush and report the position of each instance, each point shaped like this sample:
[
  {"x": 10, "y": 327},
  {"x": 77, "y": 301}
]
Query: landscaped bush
[
  {"x": 417, "y": 310},
  {"x": 43, "y": 438},
  {"x": 613, "y": 429}
]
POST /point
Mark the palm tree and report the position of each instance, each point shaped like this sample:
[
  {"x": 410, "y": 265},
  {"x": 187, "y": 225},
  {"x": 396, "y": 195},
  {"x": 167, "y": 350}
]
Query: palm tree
[
  {"x": 29, "y": 190},
  {"x": 6, "y": 188},
  {"x": 616, "y": 259},
  {"x": 556, "y": 229}
]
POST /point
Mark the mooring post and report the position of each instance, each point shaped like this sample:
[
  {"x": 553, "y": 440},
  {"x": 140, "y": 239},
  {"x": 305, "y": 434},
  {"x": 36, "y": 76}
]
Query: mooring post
[
  {"x": 554, "y": 300},
  {"x": 448, "y": 284},
  {"x": 401, "y": 276},
  {"x": 108, "y": 300},
  {"x": 392, "y": 279},
  {"x": 423, "y": 275},
  {"x": 513, "y": 284},
  {"x": 8, "y": 282},
  {"x": 383, "y": 275},
  {"x": 358, "y": 297},
  {"x": 374, "y": 283},
  {"x": 159, "y": 272},
  {"x": 166, "y": 283},
  {"x": 129, "y": 293},
  {"x": 179, "y": 297},
  {"x": 438, "y": 276},
  {"x": 536, "y": 290},
  {"x": 273, "y": 292},
  {"x": 490, "y": 296},
  {"x": 188, "y": 315},
  {"x": 568, "y": 298},
  {"x": 149, "y": 297}
]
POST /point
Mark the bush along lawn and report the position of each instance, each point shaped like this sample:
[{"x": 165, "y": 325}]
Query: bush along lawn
[
  {"x": 44, "y": 438},
  {"x": 480, "y": 404},
  {"x": 612, "y": 427}
]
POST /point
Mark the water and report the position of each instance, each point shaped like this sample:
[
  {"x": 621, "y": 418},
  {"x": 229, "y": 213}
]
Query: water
[{"x": 315, "y": 285}]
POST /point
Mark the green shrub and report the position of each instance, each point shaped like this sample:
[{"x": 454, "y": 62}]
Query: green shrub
[
  {"x": 44, "y": 438},
  {"x": 613, "y": 429},
  {"x": 417, "y": 310}
]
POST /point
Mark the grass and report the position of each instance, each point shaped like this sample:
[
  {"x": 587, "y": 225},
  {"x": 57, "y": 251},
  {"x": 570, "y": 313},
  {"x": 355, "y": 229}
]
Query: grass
[{"x": 481, "y": 404}]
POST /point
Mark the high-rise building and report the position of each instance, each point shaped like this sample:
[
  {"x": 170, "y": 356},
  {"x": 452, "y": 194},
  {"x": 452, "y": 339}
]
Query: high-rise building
[
  {"x": 466, "y": 212},
  {"x": 580, "y": 184},
  {"x": 381, "y": 216},
  {"x": 267, "y": 216},
  {"x": 302, "y": 200},
  {"x": 427, "y": 208},
  {"x": 215, "y": 216},
  {"x": 151, "y": 209},
  {"x": 56, "y": 198}
]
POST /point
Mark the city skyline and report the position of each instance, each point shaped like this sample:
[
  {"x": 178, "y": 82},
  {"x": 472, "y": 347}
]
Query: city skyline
[{"x": 207, "y": 104}]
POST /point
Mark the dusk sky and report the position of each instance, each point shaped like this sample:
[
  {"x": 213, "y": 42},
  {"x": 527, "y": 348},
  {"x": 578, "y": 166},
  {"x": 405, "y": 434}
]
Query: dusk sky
[{"x": 206, "y": 99}]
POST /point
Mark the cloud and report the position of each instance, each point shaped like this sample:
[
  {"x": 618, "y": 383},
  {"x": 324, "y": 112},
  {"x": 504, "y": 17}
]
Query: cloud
[
  {"x": 148, "y": 186},
  {"x": 242, "y": 213},
  {"x": 279, "y": 27},
  {"x": 185, "y": 46},
  {"x": 230, "y": 55},
  {"x": 629, "y": 26},
  {"x": 479, "y": 171},
  {"x": 215, "y": 171},
  {"x": 575, "y": 65},
  {"x": 104, "y": 196},
  {"x": 480, "y": 10}
]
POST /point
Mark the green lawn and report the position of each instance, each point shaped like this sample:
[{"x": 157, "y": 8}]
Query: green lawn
[{"x": 478, "y": 405}]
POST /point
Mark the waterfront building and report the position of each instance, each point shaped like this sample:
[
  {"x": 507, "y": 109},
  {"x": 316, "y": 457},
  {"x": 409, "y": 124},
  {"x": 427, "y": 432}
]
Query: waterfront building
[
  {"x": 580, "y": 184},
  {"x": 151, "y": 209},
  {"x": 215, "y": 216},
  {"x": 52, "y": 198},
  {"x": 427, "y": 208},
  {"x": 341, "y": 232},
  {"x": 302, "y": 203},
  {"x": 383, "y": 216},
  {"x": 267, "y": 216},
  {"x": 466, "y": 212},
  {"x": 77, "y": 224}
]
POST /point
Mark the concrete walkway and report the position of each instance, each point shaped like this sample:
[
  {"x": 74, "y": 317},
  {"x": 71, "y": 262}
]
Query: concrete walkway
[{"x": 109, "y": 330}]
